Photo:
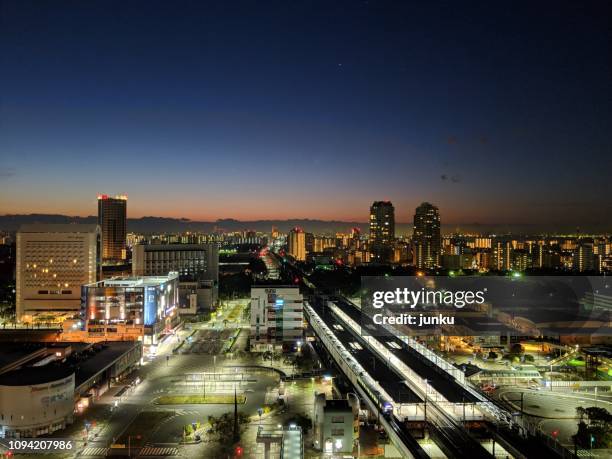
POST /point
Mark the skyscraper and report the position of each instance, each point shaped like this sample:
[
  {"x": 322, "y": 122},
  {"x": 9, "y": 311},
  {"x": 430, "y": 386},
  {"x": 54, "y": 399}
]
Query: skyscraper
[
  {"x": 53, "y": 261},
  {"x": 112, "y": 217},
  {"x": 297, "y": 244},
  {"x": 584, "y": 258},
  {"x": 502, "y": 254},
  {"x": 426, "y": 236},
  {"x": 382, "y": 231}
]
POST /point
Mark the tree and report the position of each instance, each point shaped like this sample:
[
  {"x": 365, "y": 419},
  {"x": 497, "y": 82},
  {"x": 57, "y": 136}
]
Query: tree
[
  {"x": 528, "y": 358},
  {"x": 492, "y": 355},
  {"x": 302, "y": 421},
  {"x": 222, "y": 425},
  {"x": 598, "y": 432},
  {"x": 598, "y": 415}
]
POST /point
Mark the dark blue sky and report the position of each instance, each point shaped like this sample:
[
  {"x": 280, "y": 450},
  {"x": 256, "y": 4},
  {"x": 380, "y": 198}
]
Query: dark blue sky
[{"x": 499, "y": 112}]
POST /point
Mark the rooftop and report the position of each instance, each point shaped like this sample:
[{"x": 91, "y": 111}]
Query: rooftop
[
  {"x": 338, "y": 405},
  {"x": 35, "y": 375},
  {"x": 12, "y": 353},
  {"x": 482, "y": 324},
  {"x": 135, "y": 281},
  {"x": 86, "y": 361},
  {"x": 99, "y": 357},
  {"x": 59, "y": 228},
  {"x": 178, "y": 247}
]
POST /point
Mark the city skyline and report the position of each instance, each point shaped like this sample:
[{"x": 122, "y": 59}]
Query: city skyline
[
  {"x": 346, "y": 228},
  {"x": 151, "y": 223},
  {"x": 191, "y": 116}
]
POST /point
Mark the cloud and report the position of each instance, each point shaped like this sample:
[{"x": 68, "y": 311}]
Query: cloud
[
  {"x": 573, "y": 204},
  {"x": 7, "y": 172},
  {"x": 453, "y": 178}
]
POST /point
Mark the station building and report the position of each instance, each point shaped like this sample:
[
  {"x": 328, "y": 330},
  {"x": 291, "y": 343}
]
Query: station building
[{"x": 43, "y": 385}]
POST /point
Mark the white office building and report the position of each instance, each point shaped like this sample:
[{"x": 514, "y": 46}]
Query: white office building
[
  {"x": 277, "y": 318},
  {"x": 53, "y": 261}
]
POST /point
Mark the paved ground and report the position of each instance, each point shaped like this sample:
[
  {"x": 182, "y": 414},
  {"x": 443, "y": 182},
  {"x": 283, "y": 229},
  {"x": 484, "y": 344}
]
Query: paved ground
[
  {"x": 554, "y": 411},
  {"x": 134, "y": 417}
]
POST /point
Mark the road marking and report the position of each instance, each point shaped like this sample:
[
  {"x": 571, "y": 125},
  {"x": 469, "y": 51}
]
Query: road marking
[
  {"x": 94, "y": 452},
  {"x": 155, "y": 451}
]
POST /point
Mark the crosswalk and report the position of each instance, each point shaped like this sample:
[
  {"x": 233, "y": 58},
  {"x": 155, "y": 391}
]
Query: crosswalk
[
  {"x": 181, "y": 412},
  {"x": 100, "y": 452},
  {"x": 147, "y": 451},
  {"x": 157, "y": 451}
]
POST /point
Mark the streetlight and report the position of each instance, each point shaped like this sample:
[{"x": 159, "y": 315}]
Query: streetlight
[{"x": 551, "y": 375}]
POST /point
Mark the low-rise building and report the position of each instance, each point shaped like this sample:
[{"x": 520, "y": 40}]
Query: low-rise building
[
  {"x": 336, "y": 424},
  {"x": 277, "y": 318},
  {"x": 125, "y": 308},
  {"x": 42, "y": 385}
]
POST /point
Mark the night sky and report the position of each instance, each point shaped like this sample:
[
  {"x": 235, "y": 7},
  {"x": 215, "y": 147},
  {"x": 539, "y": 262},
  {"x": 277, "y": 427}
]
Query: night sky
[{"x": 498, "y": 112}]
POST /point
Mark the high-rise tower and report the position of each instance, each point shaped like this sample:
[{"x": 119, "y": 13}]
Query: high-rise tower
[
  {"x": 297, "y": 244},
  {"x": 112, "y": 217},
  {"x": 382, "y": 231},
  {"x": 426, "y": 237}
]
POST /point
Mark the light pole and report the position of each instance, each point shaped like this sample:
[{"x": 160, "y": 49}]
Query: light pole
[
  {"x": 130, "y": 444},
  {"x": 551, "y": 382}
]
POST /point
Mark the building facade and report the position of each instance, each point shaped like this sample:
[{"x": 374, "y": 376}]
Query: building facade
[
  {"x": 34, "y": 403},
  {"x": 336, "y": 424},
  {"x": 43, "y": 384},
  {"x": 52, "y": 263},
  {"x": 584, "y": 257},
  {"x": 382, "y": 231},
  {"x": 196, "y": 264},
  {"x": 140, "y": 308},
  {"x": 426, "y": 238},
  {"x": 194, "y": 261},
  {"x": 277, "y": 318},
  {"x": 112, "y": 218},
  {"x": 297, "y": 244}
]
